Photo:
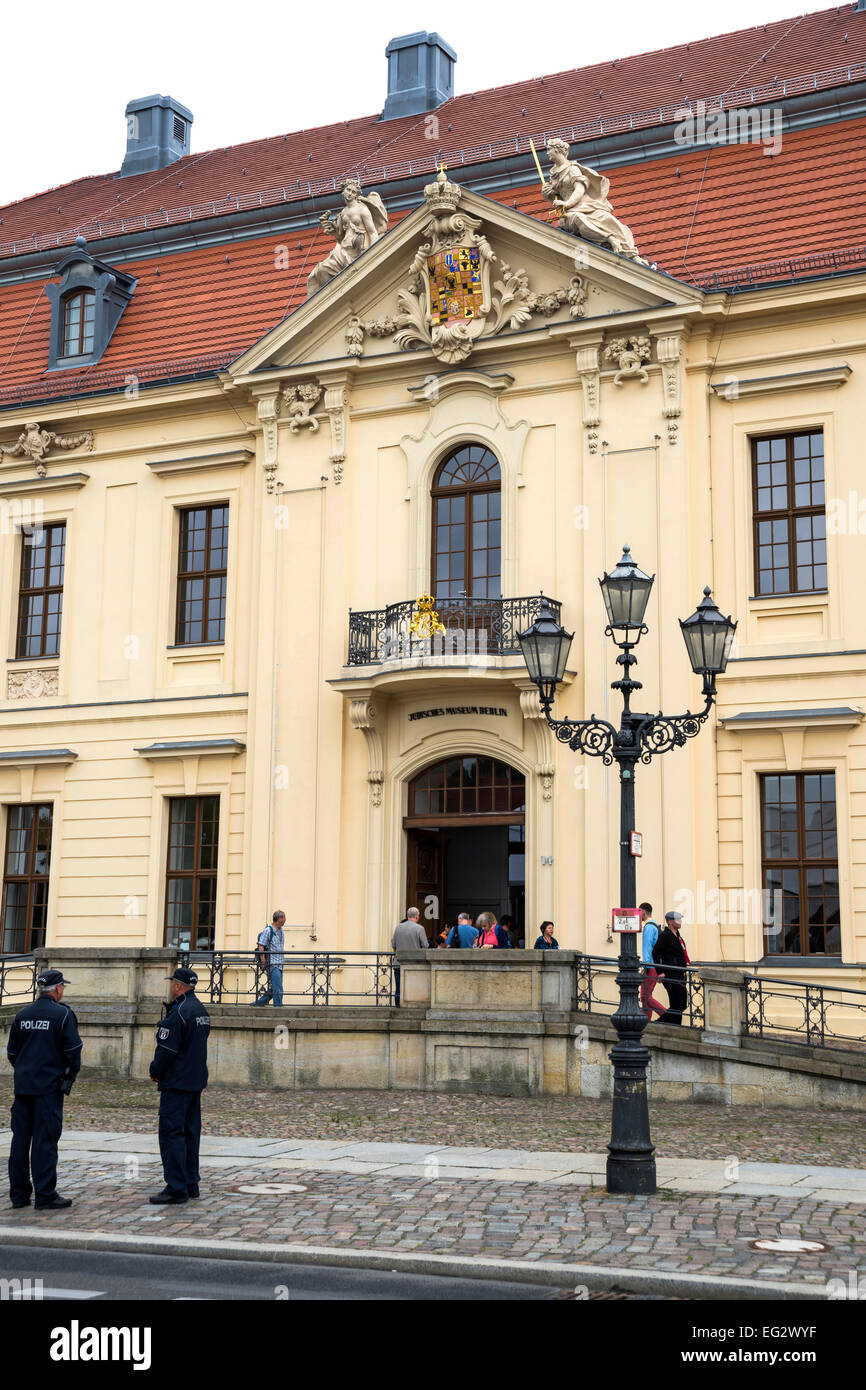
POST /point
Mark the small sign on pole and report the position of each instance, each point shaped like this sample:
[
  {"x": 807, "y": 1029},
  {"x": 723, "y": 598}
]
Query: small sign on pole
[
  {"x": 625, "y": 919},
  {"x": 635, "y": 843}
]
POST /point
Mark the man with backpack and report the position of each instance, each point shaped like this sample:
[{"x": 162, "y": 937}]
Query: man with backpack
[
  {"x": 464, "y": 935},
  {"x": 270, "y": 952}
]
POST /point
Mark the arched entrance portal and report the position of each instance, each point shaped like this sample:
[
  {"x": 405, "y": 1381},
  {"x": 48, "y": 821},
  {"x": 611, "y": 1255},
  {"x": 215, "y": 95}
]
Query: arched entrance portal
[{"x": 466, "y": 828}]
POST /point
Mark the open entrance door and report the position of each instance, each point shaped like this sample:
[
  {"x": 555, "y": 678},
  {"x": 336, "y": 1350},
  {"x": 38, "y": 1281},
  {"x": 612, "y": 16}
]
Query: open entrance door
[
  {"x": 426, "y": 879},
  {"x": 466, "y": 842}
]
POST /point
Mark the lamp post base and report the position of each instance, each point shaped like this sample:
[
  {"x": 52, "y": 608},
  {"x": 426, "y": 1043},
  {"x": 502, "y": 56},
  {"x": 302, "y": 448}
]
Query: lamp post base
[
  {"x": 633, "y": 1174},
  {"x": 630, "y": 1165}
]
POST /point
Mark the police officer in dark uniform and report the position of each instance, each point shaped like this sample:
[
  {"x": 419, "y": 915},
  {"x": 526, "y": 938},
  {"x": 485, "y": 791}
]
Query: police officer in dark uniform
[
  {"x": 45, "y": 1051},
  {"x": 179, "y": 1067}
]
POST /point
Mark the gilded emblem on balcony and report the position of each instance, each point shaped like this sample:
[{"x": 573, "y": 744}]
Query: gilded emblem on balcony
[{"x": 425, "y": 620}]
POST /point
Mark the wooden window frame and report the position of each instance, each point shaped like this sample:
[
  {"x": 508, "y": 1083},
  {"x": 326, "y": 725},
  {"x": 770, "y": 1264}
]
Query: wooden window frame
[
  {"x": 26, "y": 593},
  {"x": 466, "y": 792},
  {"x": 468, "y": 491},
  {"x": 801, "y": 864},
  {"x": 790, "y": 514},
  {"x": 83, "y": 349},
  {"x": 206, "y": 576},
  {"x": 195, "y": 874},
  {"x": 31, "y": 878}
]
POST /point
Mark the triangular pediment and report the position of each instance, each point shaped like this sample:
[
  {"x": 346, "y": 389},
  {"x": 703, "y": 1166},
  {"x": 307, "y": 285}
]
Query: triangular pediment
[{"x": 536, "y": 275}]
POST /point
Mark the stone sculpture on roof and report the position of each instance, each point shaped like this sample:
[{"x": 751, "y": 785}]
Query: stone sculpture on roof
[
  {"x": 580, "y": 196},
  {"x": 356, "y": 227}
]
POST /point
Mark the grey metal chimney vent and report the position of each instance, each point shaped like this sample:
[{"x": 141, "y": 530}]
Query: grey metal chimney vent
[
  {"x": 420, "y": 74},
  {"x": 157, "y": 134}
]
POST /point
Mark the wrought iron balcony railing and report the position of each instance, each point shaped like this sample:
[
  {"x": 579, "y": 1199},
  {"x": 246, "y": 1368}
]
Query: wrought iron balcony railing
[{"x": 474, "y": 628}]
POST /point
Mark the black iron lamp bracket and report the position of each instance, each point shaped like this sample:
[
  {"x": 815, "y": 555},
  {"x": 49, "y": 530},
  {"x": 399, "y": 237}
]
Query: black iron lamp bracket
[{"x": 640, "y": 737}]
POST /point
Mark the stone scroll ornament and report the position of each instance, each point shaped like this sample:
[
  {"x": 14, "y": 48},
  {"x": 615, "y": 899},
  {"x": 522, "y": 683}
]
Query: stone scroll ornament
[
  {"x": 356, "y": 227},
  {"x": 579, "y": 196},
  {"x": 36, "y": 443},
  {"x": 458, "y": 291}
]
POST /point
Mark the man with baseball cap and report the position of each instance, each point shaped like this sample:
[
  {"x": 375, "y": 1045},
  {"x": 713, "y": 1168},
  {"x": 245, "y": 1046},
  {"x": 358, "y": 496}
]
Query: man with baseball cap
[
  {"x": 45, "y": 1052},
  {"x": 179, "y": 1067}
]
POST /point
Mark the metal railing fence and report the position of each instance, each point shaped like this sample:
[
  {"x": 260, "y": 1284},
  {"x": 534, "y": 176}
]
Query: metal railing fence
[
  {"x": 819, "y": 1015},
  {"x": 308, "y": 977},
  {"x": 596, "y": 991},
  {"x": 17, "y": 979},
  {"x": 473, "y": 627}
]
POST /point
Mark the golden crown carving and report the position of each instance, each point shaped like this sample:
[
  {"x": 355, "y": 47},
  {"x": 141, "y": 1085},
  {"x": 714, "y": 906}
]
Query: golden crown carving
[{"x": 425, "y": 620}]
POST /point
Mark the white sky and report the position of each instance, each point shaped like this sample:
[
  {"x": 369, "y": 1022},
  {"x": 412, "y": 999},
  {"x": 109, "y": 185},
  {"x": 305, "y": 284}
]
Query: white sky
[{"x": 265, "y": 68}]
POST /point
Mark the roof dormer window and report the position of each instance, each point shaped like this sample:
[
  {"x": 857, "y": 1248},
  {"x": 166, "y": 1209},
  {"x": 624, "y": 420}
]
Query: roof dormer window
[
  {"x": 85, "y": 308},
  {"x": 79, "y": 323}
]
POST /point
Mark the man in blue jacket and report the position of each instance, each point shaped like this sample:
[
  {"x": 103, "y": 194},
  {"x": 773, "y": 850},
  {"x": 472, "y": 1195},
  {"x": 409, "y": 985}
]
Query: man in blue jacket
[
  {"x": 463, "y": 936},
  {"x": 649, "y": 937},
  {"x": 45, "y": 1052},
  {"x": 179, "y": 1067}
]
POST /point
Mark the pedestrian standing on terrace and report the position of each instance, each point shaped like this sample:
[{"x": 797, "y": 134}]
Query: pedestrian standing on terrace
[
  {"x": 490, "y": 935},
  {"x": 408, "y": 935},
  {"x": 463, "y": 936},
  {"x": 270, "y": 951},
  {"x": 671, "y": 954},
  {"x": 546, "y": 940},
  {"x": 649, "y": 937}
]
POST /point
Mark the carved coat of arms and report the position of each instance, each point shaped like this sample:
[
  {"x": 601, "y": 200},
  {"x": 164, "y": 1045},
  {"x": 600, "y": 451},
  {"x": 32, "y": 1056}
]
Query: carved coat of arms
[
  {"x": 450, "y": 300},
  {"x": 458, "y": 291}
]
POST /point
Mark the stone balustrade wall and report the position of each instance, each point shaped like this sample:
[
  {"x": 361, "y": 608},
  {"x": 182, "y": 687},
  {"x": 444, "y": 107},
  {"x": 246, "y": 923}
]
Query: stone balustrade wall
[{"x": 496, "y": 1023}]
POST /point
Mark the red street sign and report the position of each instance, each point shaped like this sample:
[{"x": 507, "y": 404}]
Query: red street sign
[{"x": 625, "y": 919}]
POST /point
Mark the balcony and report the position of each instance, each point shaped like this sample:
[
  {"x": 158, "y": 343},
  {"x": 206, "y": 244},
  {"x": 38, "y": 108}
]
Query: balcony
[{"x": 474, "y": 630}]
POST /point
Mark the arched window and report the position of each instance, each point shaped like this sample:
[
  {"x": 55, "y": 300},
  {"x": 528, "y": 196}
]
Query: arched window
[
  {"x": 468, "y": 786},
  {"x": 466, "y": 550},
  {"x": 79, "y": 320}
]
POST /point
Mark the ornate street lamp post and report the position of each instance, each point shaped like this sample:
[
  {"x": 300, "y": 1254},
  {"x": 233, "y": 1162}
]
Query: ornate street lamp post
[{"x": 640, "y": 737}]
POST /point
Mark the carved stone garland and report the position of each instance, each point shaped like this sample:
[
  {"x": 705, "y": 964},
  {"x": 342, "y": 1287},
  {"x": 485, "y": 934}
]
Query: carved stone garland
[{"x": 36, "y": 443}]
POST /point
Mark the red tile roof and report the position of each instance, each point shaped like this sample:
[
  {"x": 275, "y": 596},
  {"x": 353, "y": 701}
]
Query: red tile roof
[
  {"x": 829, "y": 42},
  {"x": 696, "y": 213},
  {"x": 732, "y": 205},
  {"x": 220, "y": 299}
]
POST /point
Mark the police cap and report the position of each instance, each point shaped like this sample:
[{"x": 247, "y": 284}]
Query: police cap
[
  {"x": 49, "y": 978},
  {"x": 186, "y": 977}
]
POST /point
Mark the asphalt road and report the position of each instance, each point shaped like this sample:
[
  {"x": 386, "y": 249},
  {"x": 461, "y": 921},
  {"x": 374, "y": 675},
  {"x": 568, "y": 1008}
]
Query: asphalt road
[{"x": 94, "y": 1276}]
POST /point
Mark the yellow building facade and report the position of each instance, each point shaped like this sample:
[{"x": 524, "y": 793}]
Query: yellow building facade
[{"x": 297, "y": 745}]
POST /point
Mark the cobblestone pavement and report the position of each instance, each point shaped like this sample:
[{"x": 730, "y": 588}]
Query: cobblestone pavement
[
  {"x": 529, "y": 1221},
  {"x": 835, "y": 1138}
]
